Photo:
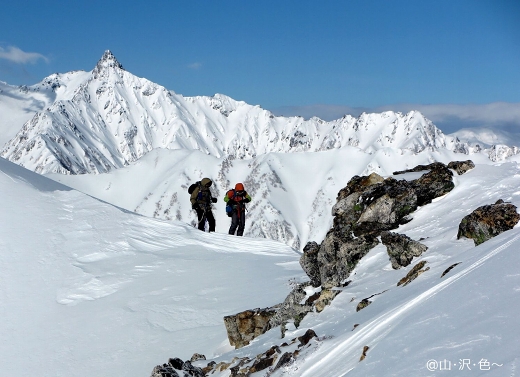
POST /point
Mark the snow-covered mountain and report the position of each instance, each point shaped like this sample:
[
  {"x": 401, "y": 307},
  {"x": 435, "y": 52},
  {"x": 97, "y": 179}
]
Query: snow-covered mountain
[
  {"x": 142, "y": 135},
  {"x": 495, "y": 141},
  {"x": 108, "y": 118},
  {"x": 88, "y": 289}
]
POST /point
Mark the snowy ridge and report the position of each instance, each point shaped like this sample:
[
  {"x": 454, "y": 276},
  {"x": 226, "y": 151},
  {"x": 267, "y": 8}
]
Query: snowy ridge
[
  {"x": 108, "y": 118},
  {"x": 91, "y": 276}
]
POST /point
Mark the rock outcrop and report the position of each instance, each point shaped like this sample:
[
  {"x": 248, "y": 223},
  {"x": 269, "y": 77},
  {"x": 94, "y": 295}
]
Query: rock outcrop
[
  {"x": 367, "y": 208},
  {"x": 177, "y": 368},
  {"x": 414, "y": 273},
  {"x": 436, "y": 182},
  {"x": 401, "y": 248},
  {"x": 461, "y": 167},
  {"x": 269, "y": 361},
  {"x": 291, "y": 309},
  {"x": 309, "y": 263},
  {"x": 338, "y": 257},
  {"x": 370, "y": 205},
  {"x": 488, "y": 221},
  {"x": 450, "y": 268},
  {"x": 247, "y": 325}
]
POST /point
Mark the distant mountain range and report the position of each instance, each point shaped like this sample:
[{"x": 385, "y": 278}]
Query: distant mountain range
[{"x": 105, "y": 119}]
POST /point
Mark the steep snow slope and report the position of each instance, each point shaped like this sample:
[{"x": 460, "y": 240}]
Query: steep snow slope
[
  {"x": 292, "y": 193},
  {"x": 88, "y": 289},
  {"x": 112, "y": 118}
]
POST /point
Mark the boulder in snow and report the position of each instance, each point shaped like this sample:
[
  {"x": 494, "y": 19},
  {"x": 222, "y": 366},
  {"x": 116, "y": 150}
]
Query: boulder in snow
[
  {"x": 461, "y": 167},
  {"x": 488, "y": 221}
]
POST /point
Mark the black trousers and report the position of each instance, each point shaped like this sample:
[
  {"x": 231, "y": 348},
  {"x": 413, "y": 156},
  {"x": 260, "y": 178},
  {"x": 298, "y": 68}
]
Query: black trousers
[
  {"x": 206, "y": 216},
  {"x": 238, "y": 220}
]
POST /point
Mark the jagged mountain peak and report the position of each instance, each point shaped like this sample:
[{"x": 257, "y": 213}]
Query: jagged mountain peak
[
  {"x": 113, "y": 118},
  {"x": 107, "y": 61}
]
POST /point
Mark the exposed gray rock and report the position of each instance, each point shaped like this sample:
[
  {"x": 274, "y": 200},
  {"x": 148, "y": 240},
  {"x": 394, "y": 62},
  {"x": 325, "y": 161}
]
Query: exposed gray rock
[
  {"x": 245, "y": 326},
  {"x": 274, "y": 358},
  {"x": 164, "y": 371},
  {"x": 192, "y": 371},
  {"x": 461, "y": 167},
  {"x": 309, "y": 262},
  {"x": 488, "y": 221},
  {"x": 261, "y": 364},
  {"x": 347, "y": 205},
  {"x": 364, "y": 353},
  {"x": 437, "y": 182},
  {"x": 291, "y": 309},
  {"x": 363, "y": 304},
  {"x": 176, "y": 363},
  {"x": 359, "y": 184},
  {"x": 197, "y": 357},
  {"x": 306, "y": 338},
  {"x": 286, "y": 359},
  {"x": 338, "y": 257},
  {"x": 401, "y": 248},
  {"x": 385, "y": 206},
  {"x": 324, "y": 298}
]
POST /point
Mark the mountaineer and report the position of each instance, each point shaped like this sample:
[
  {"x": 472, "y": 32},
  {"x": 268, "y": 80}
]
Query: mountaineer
[
  {"x": 236, "y": 199},
  {"x": 201, "y": 200}
]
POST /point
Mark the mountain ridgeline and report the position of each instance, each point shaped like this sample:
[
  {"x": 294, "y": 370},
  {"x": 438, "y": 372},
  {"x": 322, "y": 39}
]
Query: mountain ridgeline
[{"x": 108, "y": 118}]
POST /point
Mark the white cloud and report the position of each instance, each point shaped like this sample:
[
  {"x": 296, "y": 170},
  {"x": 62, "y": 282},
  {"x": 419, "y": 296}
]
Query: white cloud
[
  {"x": 195, "y": 65},
  {"x": 449, "y": 117},
  {"x": 494, "y": 113},
  {"x": 14, "y": 54}
]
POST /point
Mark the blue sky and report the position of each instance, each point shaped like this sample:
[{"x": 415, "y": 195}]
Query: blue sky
[{"x": 303, "y": 57}]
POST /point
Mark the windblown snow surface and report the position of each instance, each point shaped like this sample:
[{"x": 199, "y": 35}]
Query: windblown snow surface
[{"x": 88, "y": 289}]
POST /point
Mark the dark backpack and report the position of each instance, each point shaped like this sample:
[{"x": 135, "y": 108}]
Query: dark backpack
[{"x": 193, "y": 186}]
